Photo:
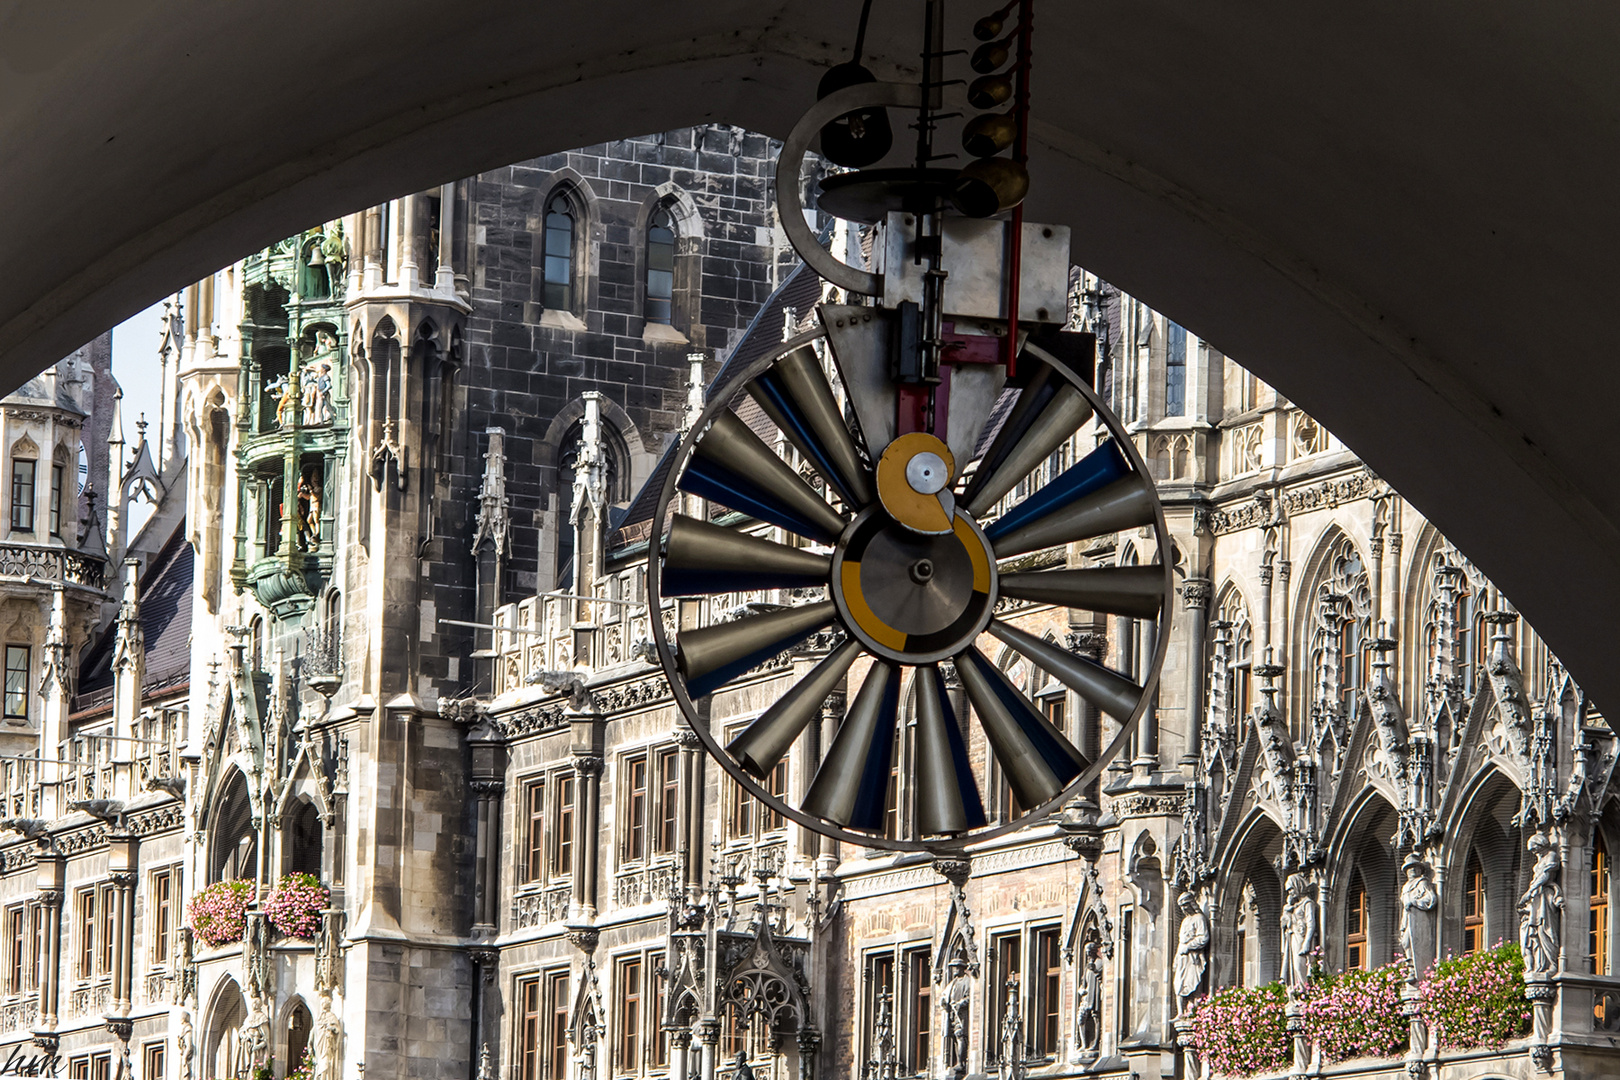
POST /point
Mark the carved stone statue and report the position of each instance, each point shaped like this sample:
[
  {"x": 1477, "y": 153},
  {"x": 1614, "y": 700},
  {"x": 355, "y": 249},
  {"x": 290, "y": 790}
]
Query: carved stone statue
[
  {"x": 255, "y": 1042},
  {"x": 1299, "y": 930},
  {"x": 328, "y": 1036},
  {"x": 1541, "y": 908},
  {"x": 1088, "y": 1001},
  {"x": 958, "y": 992},
  {"x": 185, "y": 1045},
  {"x": 1192, "y": 951},
  {"x": 587, "y": 1057},
  {"x": 1417, "y": 896}
]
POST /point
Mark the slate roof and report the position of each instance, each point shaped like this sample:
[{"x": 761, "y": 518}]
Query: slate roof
[{"x": 165, "y": 595}]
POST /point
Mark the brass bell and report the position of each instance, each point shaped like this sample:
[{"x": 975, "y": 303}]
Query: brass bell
[
  {"x": 856, "y": 139},
  {"x": 988, "y": 27},
  {"x": 989, "y": 134},
  {"x": 991, "y": 56},
  {"x": 990, "y": 91},
  {"x": 989, "y": 186}
]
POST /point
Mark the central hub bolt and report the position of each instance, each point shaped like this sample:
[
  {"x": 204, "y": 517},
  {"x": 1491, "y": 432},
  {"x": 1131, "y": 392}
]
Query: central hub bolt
[{"x": 922, "y": 571}]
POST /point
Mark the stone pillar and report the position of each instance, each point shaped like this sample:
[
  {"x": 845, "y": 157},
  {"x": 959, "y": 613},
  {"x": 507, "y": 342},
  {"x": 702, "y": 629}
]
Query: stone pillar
[
  {"x": 123, "y": 857},
  {"x": 587, "y": 818},
  {"x": 1195, "y": 593},
  {"x": 689, "y": 822},
  {"x": 409, "y": 264},
  {"x": 1147, "y": 743},
  {"x": 372, "y": 274},
  {"x": 710, "y": 1033},
  {"x": 488, "y": 785},
  {"x": 50, "y": 876},
  {"x": 1263, "y": 624},
  {"x": 129, "y": 672},
  {"x": 680, "y": 1040},
  {"x": 444, "y": 279},
  {"x": 54, "y": 689}
]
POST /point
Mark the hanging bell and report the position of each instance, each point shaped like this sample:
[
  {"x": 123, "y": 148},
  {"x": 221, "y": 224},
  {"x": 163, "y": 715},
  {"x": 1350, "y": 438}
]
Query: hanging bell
[
  {"x": 316, "y": 258},
  {"x": 859, "y": 138},
  {"x": 990, "y": 91},
  {"x": 989, "y": 134},
  {"x": 989, "y": 186}
]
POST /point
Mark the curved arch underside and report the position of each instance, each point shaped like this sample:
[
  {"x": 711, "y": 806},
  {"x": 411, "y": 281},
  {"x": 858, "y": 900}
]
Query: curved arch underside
[{"x": 1400, "y": 215}]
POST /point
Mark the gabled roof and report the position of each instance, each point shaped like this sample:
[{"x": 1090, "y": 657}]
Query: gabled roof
[{"x": 165, "y": 596}]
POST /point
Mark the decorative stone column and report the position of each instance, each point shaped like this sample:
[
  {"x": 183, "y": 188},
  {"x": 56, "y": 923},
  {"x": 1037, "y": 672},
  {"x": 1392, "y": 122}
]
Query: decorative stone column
[
  {"x": 587, "y": 815},
  {"x": 487, "y": 784},
  {"x": 1195, "y": 594},
  {"x": 709, "y": 1032},
  {"x": 51, "y": 871}
]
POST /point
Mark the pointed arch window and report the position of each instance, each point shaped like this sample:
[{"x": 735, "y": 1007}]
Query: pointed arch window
[
  {"x": 660, "y": 266},
  {"x": 558, "y": 238},
  {"x": 1597, "y": 937},
  {"x": 1175, "y": 371},
  {"x": 1473, "y": 906},
  {"x": 1356, "y": 954}
]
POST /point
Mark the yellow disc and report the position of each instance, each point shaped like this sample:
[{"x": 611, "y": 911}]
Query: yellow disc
[{"x": 910, "y": 485}]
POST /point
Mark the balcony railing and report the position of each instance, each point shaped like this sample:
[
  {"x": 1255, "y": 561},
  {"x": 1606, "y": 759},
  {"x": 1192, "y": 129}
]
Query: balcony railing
[{"x": 41, "y": 563}]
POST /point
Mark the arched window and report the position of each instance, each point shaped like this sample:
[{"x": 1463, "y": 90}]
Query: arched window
[
  {"x": 301, "y": 840},
  {"x": 558, "y": 270},
  {"x": 1473, "y": 906},
  {"x": 1356, "y": 920},
  {"x": 234, "y": 841},
  {"x": 1175, "y": 371},
  {"x": 660, "y": 266},
  {"x": 1597, "y": 937}
]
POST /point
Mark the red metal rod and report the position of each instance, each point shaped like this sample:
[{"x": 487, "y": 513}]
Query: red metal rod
[{"x": 1015, "y": 243}]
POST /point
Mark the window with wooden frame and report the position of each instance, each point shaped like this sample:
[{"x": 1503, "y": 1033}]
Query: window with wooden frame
[
  {"x": 101, "y": 1067},
  {"x": 891, "y": 794},
  {"x": 16, "y": 948},
  {"x": 879, "y": 998},
  {"x": 562, "y": 825},
  {"x": 36, "y": 946},
  {"x": 657, "y": 1041},
  {"x": 1046, "y": 973},
  {"x": 85, "y": 907},
  {"x": 1597, "y": 933},
  {"x": 79, "y": 1069},
  {"x": 56, "y": 500},
  {"x": 529, "y": 1018},
  {"x": 17, "y": 682},
  {"x": 1006, "y": 967},
  {"x": 162, "y": 929},
  {"x": 1473, "y": 924},
  {"x": 919, "y": 1011},
  {"x": 1054, "y": 702},
  {"x": 1356, "y": 954},
  {"x": 556, "y": 1005},
  {"x": 748, "y": 819},
  {"x": 629, "y": 981},
  {"x": 531, "y": 868},
  {"x": 669, "y": 802},
  {"x": 22, "y": 496},
  {"x": 634, "y": 846},
  {"x": 106, "y": 932},
  {"x": 154, "y": 1060}
]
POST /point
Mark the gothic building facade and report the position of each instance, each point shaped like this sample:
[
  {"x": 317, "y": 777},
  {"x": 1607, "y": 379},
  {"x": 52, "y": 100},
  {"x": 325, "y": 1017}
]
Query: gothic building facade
[{"x": 388, "y": 627}]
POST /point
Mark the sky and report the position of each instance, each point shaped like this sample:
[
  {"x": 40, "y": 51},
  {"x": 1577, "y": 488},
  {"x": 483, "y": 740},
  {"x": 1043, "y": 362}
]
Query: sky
[{"x": 135, "y": 366}]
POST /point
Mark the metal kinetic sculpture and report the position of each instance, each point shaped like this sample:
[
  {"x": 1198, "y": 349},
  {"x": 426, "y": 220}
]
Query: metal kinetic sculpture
[{"x": 922, "y": 488}]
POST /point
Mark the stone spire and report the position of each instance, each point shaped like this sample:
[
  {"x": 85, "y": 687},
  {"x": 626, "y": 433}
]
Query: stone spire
[
  {"x": 114, "y": 507},
  {"x": 493, "y": 523},
  {"x": 129, "y": 673}
]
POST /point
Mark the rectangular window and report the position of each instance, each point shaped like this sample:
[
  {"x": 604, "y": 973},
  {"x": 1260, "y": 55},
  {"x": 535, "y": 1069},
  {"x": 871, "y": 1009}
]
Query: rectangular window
[
  {"x": 1046, "y": 964},
  {"x": 669, "y": 800},
  {"x": 1055, "y": 706},
  {"x": 777, "y": 785},
  {"x": 630, "y": 995},
  {"x": 529, "y": 1018},
  {"x": 36, "y": 945},
  {"x": 153, "y": 1061},
  {"x": 1127, "y": 987},
  {"x": 1175, "y": 371},
  {"x": 880, "y": 998},
  {"x": 101, "y": 1067},
  {"x": 1597, "y": 935},
  {"x": 741, "y": 825},
  {"x": 1473, "y": 909},
  {"x": 1005, "y": 967},
  {"x": 658, "y": 1042},
  {"x": 557, "y": 1025},
  {"x": 162, "y": 914},
  {"x": 16, "y": 949},
  {"x": 919, "y": 1009},
  {"x": 56, "y": 500},
  {"x": 1355, "y": 929},
  {"x": 79, "y": 1069},
  {"x": 891, "y": 791},
  {"x": 22, "y": 496},
  {"x": 17, "y": 657},
  {"x": 562, "y": 843},
  {"x": 534, "y": 830},
  {"x": 635, "y": 817},
  {"x": 106, "y": 932},
  {"x": 87, "y": 933}
]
